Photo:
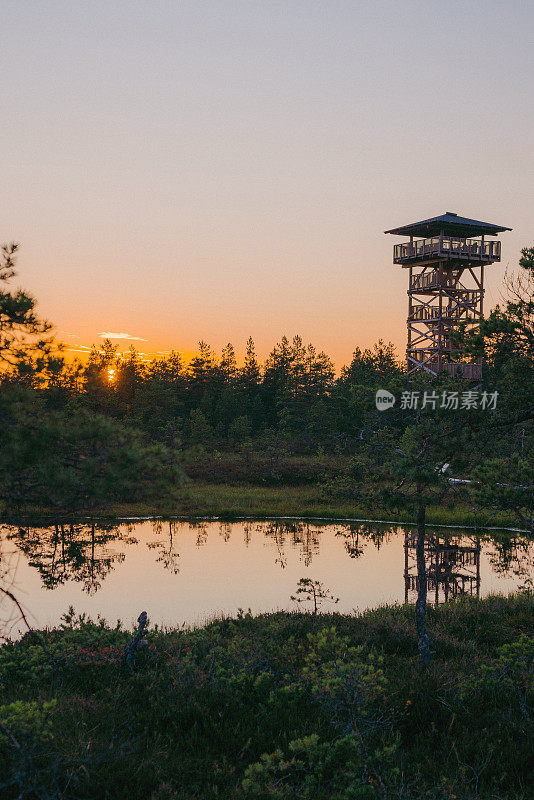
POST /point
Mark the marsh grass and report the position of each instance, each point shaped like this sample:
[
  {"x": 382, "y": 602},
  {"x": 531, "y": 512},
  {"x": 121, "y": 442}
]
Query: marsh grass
[{"x": 230, "y": 502}]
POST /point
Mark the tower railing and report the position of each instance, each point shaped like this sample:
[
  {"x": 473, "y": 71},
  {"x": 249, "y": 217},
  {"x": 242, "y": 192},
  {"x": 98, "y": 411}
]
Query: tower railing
[
  {"x": 440, "y": 280},
  {"x": 462, "y": 369},
  {"x": 434, "y": 280},
  {"x": 428, "y": 360},
  {"x": 448, "y": 247},
  {"x": 451, "y": 311}
]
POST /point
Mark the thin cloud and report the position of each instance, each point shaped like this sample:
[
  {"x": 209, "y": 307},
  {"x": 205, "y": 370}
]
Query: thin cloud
[{"x": 122, "y": 335}]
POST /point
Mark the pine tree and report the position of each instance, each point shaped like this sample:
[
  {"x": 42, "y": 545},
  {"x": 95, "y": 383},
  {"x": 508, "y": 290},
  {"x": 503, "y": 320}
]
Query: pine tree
[
  {"x": 203, "y": 370},
  {"x": 228, "y": 365},
  {"x": 250, "y": 375},
  {"x": 25, "y": 349}
]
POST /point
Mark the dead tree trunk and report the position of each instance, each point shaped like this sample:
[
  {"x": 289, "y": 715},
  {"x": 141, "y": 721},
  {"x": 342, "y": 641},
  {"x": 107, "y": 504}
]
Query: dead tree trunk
[
  {"x": 130, "y": 650},
  {"x": 420, "y": 606}
]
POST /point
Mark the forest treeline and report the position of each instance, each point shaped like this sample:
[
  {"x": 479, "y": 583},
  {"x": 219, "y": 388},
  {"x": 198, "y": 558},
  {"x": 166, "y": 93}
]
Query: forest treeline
[
  {"x": 118, "y": 426},
  {"x": 211, "y": 402}
]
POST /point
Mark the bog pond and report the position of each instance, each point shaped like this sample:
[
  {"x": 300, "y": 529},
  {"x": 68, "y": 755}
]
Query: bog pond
[{"x": 189, "y": 572}]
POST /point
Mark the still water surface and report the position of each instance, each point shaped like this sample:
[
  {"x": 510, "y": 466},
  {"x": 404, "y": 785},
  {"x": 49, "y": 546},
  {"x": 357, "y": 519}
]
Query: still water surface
[{"x": 183, "y": 572}]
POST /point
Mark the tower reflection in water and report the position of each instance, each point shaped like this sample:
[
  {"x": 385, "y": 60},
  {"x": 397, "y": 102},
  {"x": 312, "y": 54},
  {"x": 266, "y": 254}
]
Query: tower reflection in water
[{"x": 452, "y": 563}]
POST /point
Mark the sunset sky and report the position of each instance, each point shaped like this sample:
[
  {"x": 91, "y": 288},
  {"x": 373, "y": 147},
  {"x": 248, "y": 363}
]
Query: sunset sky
[{"x": 188, "y": 170}]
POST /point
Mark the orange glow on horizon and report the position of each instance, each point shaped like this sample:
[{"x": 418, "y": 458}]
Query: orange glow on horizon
[{"x": 180, "y": 173}]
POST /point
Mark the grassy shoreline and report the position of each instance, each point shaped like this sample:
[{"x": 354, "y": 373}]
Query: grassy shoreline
[
  {"x": 280, "y": 706},
  {"x": 230, "y": 502}
]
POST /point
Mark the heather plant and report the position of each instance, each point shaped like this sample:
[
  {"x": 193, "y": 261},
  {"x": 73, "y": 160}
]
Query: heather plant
[
  {"x": 507, "y": 681},
  {"x": 26, "y": 720},
  {"x": 347, "y": 680},
  {"x": 311, "y": 769}
]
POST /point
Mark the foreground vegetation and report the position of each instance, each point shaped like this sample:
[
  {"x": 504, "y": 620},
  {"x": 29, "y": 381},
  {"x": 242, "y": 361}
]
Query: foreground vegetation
[{"x": 278, "y": 706}]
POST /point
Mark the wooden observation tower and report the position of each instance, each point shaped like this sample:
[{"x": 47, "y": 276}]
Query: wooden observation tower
[{"x": 446, "y": 288}]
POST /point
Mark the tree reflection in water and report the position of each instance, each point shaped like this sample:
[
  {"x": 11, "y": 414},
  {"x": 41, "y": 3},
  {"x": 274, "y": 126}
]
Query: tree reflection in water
[
  {"x": 9, "y": 562},
  {"x": 77, "y": 552},
  {"x": 224, "y": 531},
  {"x": 276, "y": 532},
  {"x": 201, "y": 529},
  {"x": 87, "y": 553},
  {"x": 357, "y": 535},
  {"x": 301, "y": 536},
  {"x": 513, "y": 555},
  {"x": 247, "y": 533},
  {"x": 167, "y": 555}
]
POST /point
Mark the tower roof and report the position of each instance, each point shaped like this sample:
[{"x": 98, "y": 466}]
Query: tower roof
[{"x": 450, "y": 224}]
